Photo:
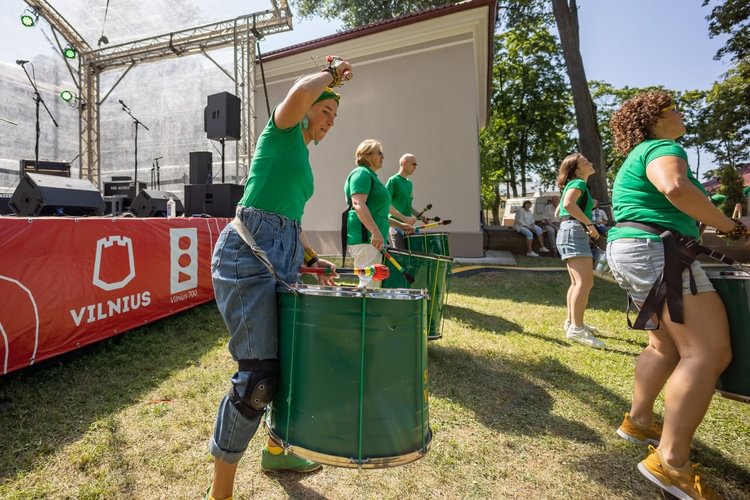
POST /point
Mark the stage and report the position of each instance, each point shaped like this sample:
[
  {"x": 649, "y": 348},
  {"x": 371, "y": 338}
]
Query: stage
[{"x": 66, "y": 282}]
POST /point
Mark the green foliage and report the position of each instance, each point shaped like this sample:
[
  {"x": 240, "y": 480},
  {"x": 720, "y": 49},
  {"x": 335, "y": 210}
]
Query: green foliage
[
  {"x": 731, "y": 18},
  {"x": 731, "y": 187},
  {"x": 355, "y": 13},
  {"x": 727, "y": 117},
  {"x": 530, "y": 128}
]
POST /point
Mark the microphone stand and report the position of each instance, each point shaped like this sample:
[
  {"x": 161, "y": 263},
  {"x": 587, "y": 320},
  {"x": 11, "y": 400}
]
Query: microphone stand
[
  {"x": 136, "y": 122},
  {"x": 156, "y": 165},
  {"x": 37, "y": 99}
]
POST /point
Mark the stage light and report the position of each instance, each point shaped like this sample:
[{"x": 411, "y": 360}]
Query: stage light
[
  {"x": 66, "y": 95},
  {"x": 29, "y": 17},
  {"x": 69, "y": 52}
]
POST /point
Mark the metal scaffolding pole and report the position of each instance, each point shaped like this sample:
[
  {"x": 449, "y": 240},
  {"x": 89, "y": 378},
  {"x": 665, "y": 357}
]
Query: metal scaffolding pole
[{"x": 240, "y": 32}]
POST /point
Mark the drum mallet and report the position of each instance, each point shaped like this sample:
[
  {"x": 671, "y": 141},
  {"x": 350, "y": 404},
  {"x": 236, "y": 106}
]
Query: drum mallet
[
  {"x": 408, "y": 277},
  {"x": 432, "y": 224},
  {"x": 420, "y": 214},
  {"x": 378, "y": 272}
]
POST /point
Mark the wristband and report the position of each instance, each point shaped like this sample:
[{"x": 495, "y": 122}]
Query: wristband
[
  {"x": 332, "y": 71},
  {"x": 738, "y": 231},
  {"x": 310, "y": 257}
]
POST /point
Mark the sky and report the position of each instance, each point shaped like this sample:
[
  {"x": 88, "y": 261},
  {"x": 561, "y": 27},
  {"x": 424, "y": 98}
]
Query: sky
[{"x": 632, "y": 43}]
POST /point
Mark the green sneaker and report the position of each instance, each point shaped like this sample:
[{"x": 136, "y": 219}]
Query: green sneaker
[{"x": 271, "y": 463}]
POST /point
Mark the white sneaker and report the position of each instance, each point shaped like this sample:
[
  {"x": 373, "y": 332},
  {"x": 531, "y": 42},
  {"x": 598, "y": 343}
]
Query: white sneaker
[
  {"x": 592, "y": 329},
  {"x": 583, "y": 335},
  {"x": 532, "y": 254},
  {"x": 543, "y": 249}
]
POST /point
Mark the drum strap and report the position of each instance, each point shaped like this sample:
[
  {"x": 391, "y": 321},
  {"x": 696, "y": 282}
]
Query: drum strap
[
  {"x": 679, "y": 253},
  {"x": 259, "y": 253}
]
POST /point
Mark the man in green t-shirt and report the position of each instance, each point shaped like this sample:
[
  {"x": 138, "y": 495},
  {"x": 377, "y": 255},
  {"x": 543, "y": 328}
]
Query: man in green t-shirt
[{"x": 402, "y": 194}]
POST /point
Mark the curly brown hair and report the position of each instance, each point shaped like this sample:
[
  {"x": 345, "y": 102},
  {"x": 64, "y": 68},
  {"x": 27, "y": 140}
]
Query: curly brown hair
[
  {"x": 632, "y": 123},
  {"x": 568, "y": 169}
]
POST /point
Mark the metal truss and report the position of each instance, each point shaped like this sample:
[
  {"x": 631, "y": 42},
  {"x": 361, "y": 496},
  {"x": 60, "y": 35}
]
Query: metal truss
[{"x": 241, "y": 32}]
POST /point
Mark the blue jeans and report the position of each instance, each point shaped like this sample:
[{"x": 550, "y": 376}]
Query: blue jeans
[{"x": 246, "y": 297}]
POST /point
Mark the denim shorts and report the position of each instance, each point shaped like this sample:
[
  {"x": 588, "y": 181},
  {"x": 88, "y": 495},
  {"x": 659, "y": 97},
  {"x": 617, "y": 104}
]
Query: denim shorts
[
  {"x": 636, "y": 264},
  {"x": 246, "y": 297},
  {"x": 573, "y": 240}
]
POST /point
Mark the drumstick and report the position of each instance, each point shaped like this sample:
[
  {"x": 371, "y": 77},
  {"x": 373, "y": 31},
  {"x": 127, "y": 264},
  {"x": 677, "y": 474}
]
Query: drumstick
[
  {"x": 420, "y": 214},
  {"x": 408, "y": 277},
  {"x": 433, "y": 224},
  {"x": 378, "y": 272}
]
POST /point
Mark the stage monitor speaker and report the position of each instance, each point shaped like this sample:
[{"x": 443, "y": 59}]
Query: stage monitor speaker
[
  {"x": 125, "y": 188},
  {"x": 221, "y": 117},
  {"x": 153, "y": 203},
  {"x": 39, "y": 194},
  {"x": 200, "y": 167},
  {"x": 216, "y": 200}
]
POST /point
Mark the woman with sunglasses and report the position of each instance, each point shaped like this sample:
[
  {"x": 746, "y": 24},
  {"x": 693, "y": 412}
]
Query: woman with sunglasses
[{"x": 656, "y": 194}]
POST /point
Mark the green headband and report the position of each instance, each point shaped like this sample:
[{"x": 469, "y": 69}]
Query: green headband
[{"x": 328, "y": 93}]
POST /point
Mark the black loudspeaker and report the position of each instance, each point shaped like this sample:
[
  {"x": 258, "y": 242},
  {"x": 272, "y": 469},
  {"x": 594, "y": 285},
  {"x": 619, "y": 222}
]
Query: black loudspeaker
[
  {"x": 125, "y": 188},
  {"x": 217, "y": 200},
  {"x": 152, "y": 203},
  {"x": 5, "y": 204},
  {"x": 39, "y": 194},
  {"x": 200, "y": 167},
  {"x": 221, "y": 117}
]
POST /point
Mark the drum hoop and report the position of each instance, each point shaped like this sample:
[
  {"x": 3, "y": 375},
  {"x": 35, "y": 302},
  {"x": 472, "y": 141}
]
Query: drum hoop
[
  {"x": 353, "y": 463},
  {"x": 729, "y": 275},
  {"x": 355, "y": 292},
  {"x": 732, "y": 395}
]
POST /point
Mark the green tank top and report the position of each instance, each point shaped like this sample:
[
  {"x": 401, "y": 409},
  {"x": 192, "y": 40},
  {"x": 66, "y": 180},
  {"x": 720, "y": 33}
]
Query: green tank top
[{"x": 581, "y": 185}]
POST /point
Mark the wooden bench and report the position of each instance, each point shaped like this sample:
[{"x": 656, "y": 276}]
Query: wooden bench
[{"x": 506, "y": 238}]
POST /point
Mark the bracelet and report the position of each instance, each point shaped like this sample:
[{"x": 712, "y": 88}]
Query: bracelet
[
  {"x": 310, "y": 257},
  {"x": 332, "y": 71},
  {"x": 738, "y": 231}
]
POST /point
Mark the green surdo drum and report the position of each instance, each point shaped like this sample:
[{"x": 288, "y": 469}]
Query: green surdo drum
[
  {"x": 353, "y": 376},
  {"x": 430, "y": 272},
  {"x": 430, "y": 243},
  {"x": 734, "y": 289}
]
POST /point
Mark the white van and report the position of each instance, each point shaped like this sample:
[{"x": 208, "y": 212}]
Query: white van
[{"x": 512, "y": 205}]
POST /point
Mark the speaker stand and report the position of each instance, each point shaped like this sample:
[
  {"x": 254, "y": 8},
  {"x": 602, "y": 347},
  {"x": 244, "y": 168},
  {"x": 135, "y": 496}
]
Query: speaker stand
[
  {"x": 37, "y": 100},
  {"x": 222, "y": 140}
]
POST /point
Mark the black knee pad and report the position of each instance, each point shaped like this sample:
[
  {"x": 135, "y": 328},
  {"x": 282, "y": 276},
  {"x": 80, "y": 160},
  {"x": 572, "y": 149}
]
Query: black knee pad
[{"x": 260, "y": 389}]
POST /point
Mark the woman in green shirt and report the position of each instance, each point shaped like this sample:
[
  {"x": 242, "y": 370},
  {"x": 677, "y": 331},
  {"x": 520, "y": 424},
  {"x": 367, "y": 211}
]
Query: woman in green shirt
[
  {"x": 655, "y": 187},
  {"x": 369, "y": 203}
]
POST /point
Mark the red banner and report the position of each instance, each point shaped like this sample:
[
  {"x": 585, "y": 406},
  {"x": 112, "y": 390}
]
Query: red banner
[{"x": 68, "y": 282}]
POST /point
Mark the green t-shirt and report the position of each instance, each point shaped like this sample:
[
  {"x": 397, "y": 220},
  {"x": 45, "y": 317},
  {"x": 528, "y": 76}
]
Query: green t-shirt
[
  {"x": 401, "y": 191},
  {"x": 362, "y": 180},
  {"x": 280, "y": 179},
  {"x": 635, "y": 199},
  {"x": 581, "y": 185}
]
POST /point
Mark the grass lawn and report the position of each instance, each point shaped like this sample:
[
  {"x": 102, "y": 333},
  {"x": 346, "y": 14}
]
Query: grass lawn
[{"x": 516, "y": 410}]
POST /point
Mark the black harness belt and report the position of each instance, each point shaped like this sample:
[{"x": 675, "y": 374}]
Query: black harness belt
[{"x": 679, "y": 253}]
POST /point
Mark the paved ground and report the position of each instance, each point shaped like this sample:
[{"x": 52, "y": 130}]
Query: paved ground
[{"x": 492, "y": 257}]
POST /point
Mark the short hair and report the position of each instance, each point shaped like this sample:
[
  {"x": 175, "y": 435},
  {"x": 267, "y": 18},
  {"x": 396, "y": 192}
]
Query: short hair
[
  {"x": 365, "y": 149},
  {"x": 525, "y": 202},
  {"x": 632, "y": 123}
]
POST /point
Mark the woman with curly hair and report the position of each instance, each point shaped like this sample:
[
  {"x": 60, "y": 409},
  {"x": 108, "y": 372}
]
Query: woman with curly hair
[
  {"x": 576, "y": 230},
  {"x": 657, "y": 203}
]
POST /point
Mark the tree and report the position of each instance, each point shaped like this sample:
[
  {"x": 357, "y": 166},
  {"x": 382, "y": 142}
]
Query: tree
[
  {"x": 566, "y": 15},
  {"x": 530, "y": 125},
  {"x": 731, "y": 18},
  {"x": 731, "y": 187},
  {"x": 355, "y": 13},
  {"x": 727, "y": 118}
]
